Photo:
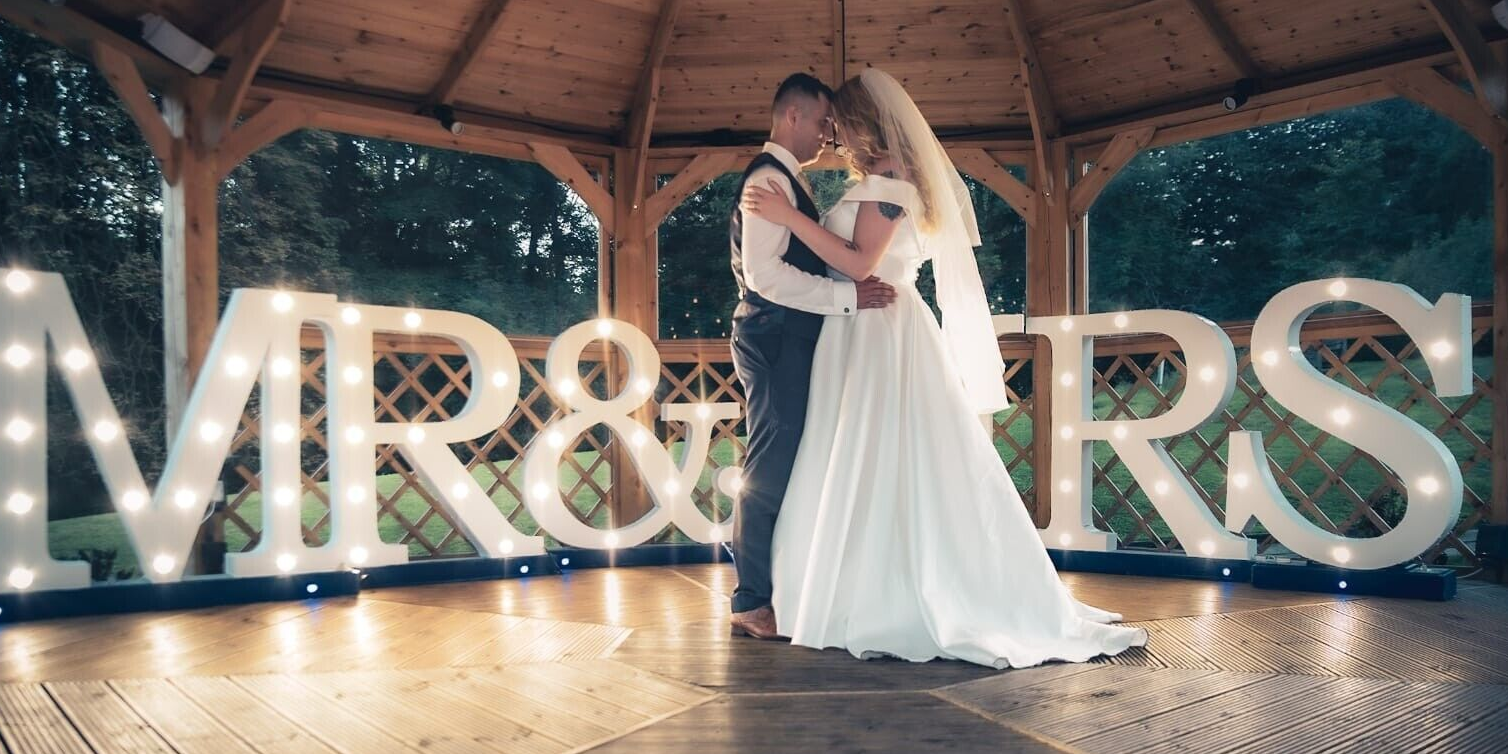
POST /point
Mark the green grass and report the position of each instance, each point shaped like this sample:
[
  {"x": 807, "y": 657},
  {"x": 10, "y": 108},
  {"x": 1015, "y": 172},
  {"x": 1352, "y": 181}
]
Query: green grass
[{"x": 104, "y": 532}]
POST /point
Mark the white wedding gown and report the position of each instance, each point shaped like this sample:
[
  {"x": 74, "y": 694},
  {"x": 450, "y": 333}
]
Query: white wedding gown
[{"x": 901, "y": 533}]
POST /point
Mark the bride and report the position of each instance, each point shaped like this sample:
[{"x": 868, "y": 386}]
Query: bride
[{"x": 901, "y": 533}]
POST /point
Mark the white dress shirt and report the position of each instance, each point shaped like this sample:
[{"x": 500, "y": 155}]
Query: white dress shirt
[{"x": 764, "y": 243}]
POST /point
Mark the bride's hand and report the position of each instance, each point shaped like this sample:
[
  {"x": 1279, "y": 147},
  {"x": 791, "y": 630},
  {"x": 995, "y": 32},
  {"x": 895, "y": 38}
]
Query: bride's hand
[{"x": 769, "y": 204}]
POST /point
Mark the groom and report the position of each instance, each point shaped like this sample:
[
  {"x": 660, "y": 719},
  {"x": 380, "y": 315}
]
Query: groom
[{"x": 784, "y": 292}]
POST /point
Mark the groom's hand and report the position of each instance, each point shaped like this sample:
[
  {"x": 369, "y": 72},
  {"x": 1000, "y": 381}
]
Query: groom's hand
[{"x": 874, "y": 293}]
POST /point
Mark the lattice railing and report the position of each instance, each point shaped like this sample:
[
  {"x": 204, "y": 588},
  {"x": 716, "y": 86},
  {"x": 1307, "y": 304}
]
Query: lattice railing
[{"x": 1136, "y": 376}]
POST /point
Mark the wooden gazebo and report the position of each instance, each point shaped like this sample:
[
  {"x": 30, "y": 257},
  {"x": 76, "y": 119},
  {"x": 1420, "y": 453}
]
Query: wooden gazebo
[
  {"x": 611, "y": 95},
  {"x": 636, "y": 104}
]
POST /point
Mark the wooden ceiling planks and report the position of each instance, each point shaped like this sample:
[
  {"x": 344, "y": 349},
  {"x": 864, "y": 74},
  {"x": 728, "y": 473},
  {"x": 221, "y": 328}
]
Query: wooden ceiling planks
[{"x": 576, "y": 64}]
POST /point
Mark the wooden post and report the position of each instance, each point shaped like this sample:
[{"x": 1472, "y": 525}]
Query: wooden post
[
  {"x": 635, "y": 285},
  {"x": 190, "y": 251},
  {"x": 1049, "y": 251}
]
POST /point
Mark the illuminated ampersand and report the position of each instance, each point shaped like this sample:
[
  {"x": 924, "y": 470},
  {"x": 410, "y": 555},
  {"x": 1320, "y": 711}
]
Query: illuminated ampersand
[{"x": 670, "y": 485}]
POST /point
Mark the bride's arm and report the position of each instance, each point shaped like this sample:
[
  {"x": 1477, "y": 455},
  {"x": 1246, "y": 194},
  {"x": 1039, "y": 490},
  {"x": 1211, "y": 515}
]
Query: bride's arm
[{"x": 876, "y": 225}]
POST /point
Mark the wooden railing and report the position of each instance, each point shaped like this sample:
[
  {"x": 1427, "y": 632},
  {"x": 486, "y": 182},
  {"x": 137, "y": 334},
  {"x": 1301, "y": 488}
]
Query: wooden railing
[{"x": 1136, "y": 376}]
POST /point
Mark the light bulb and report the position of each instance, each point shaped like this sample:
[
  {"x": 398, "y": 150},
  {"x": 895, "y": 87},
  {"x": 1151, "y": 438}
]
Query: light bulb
[
  {"x": 18, "y": 430},
  {"x": 358, "y": 555},
  {"x": 703, "y": 411},
  {"x": 672, "y": 487},
  {"x": 18, "y": 355},
  {"x": 1207, "y": 374},
  {"x": 163, "y": 564},
  {"x": 1341, "y": 555},
  {"x": 18, "y": 281},
  {"x": 1066, "y": 378},
  {"x": 555, "y": 439},
  {"x": 1121, "y": 321},
  {"x": 1441, "y": 349},
  {"x": 312, "y": 588},
  {"x": 540, "y": 491},
  {"x": 282, "y": 432},
  {"x": 1065, "y": 432},
  {"x": 1342, "y": 416},
  {"x": 235, "y": 366},
  {"x": 604, "y": 327},
  {"x": 460, "y": 490},
  {"x": 282, "y": 366},
  {"x": 644, "y": 386},
  {"x": 1337, "y": 288},
  {"x": 105, "y": 431},
  {"x": 1429, "y": 485},
  {"x": 1342, "y": 585},
  {"x": 412, "y": 320},
  {"x": 416, "y": 434},
  {"x": 1064, "y": 539},
  {"x": 639, "y": 437},
  {"x": 352, "y": 374},
  {"x": 566, "y": 388},
  {"x": 21, "y": 578},
  {"x": 1161, "y": 486},
  {"x": 19, "y": 503},
  {"x": 355, "y": 434},
  {"x": 1207, "y": 547},
  {"x": 1119, "y": 431},
  {"x": 284, "y": 496},
  {"x": 75, "y": 359},
  {"x": 523, "y": 569},
  {"x": 1270, "y": 358},
  {"x": 133, "y": 500},
  {"x": 356, "y": 494},
  {"x": 499, "y": 379},
  {"x": 1065, "y": 324},
  {"x": 210, "y": 431},
  {"x": 282, "y": 301},
  {"x": 1065, "y": 485},
  {"x": 736, "y": 482},
  {"x": 350, "y": 315},
  {"x": 286, "y": 562},
  {"x": 185, "y": 498},
  {"x": 1240, "y": 480},
  {"x": 611, "y": 540},
  {"x": 505, "y": 547}
]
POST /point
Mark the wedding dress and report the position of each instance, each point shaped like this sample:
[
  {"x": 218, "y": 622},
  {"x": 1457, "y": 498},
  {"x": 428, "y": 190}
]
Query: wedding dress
[{"x": 901, "y": 533}]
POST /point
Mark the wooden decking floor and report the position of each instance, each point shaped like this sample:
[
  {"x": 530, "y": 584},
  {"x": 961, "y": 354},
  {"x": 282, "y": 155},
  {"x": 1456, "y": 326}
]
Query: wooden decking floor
[{"x": 639, "y": 659}]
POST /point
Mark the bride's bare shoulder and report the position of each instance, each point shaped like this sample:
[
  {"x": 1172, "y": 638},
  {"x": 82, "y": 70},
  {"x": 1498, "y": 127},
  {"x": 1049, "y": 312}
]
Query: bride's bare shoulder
[{"x": 889, "y": 167}]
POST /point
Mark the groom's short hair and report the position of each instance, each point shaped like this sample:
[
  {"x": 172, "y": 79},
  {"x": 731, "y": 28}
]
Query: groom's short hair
[{"x": 803, "y": 85}]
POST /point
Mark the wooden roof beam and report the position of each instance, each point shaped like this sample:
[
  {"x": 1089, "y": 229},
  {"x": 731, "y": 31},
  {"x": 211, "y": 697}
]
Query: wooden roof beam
[
  {"x": 1484, "y": 68},
  {"x": 81, "y": 35},
  {"x": 1429, "y": 88},
  {"x": 1039, "y": 108},
  {"x": 124, "y": 77},
  {"x": 477, "y": 39},
  {"x": 983, "y": 167},
  {"x": 1123, "y": 148},
  {"x": 247, "y": 46},
  {"x": 1210, "y": 18},
  {"x": 641, "y": 116},
  {"x": 566, "y": 167}
]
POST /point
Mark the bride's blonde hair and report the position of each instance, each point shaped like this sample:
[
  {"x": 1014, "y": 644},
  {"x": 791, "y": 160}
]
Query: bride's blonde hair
[{"x": 858, "y": 117}]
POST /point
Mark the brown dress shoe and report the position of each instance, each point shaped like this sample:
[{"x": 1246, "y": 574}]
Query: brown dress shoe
[{"x": 758, "y": 623}]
